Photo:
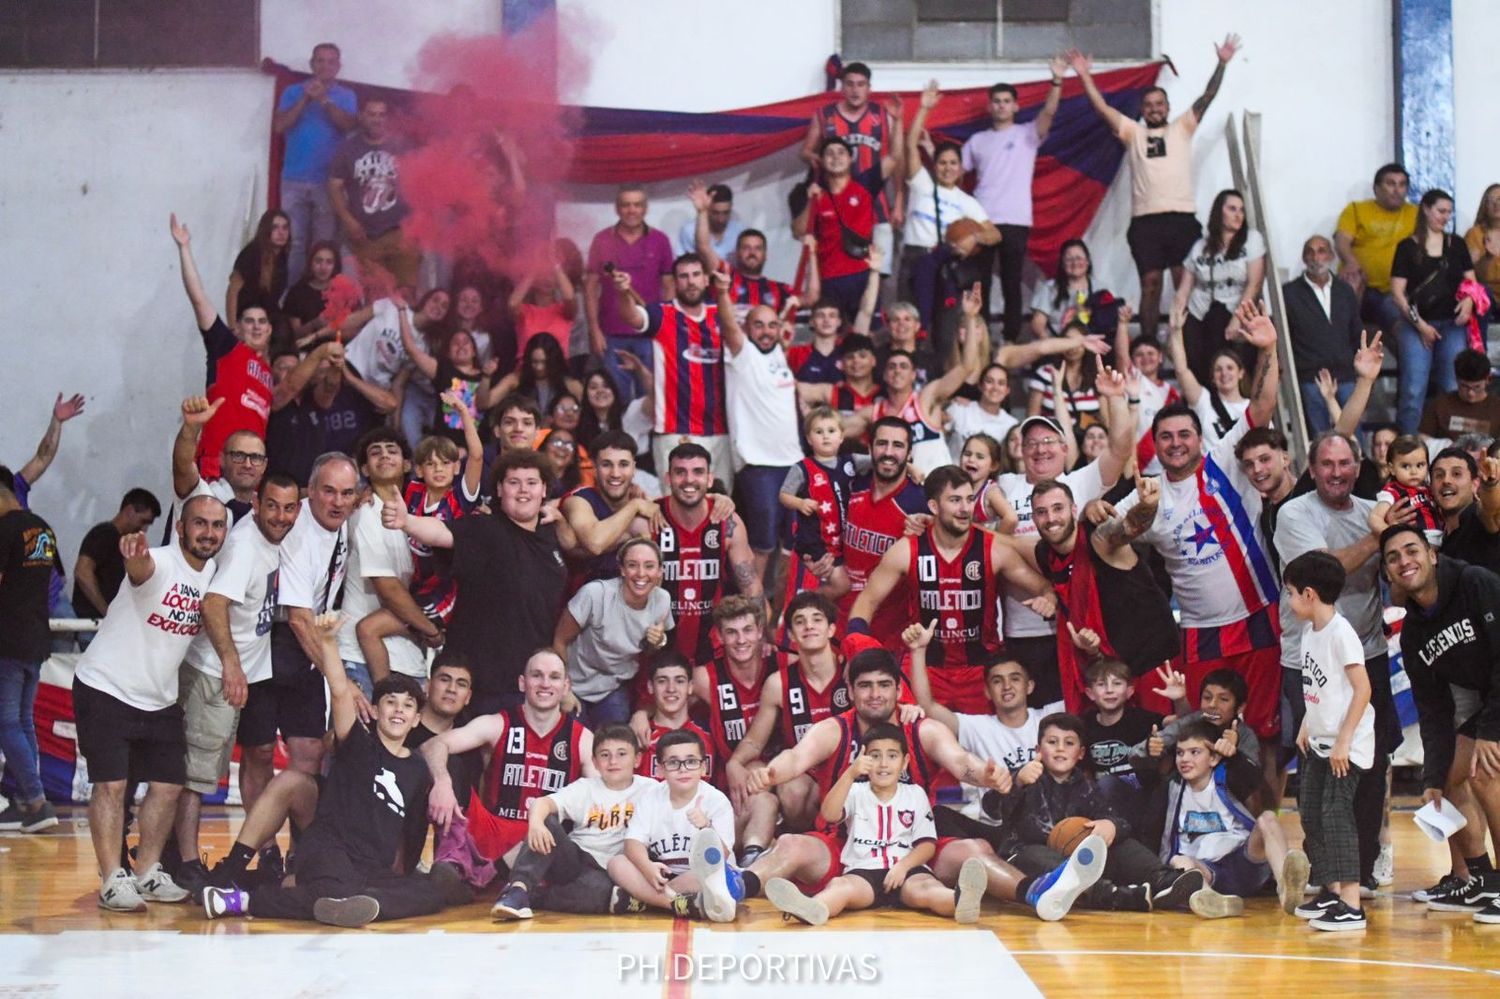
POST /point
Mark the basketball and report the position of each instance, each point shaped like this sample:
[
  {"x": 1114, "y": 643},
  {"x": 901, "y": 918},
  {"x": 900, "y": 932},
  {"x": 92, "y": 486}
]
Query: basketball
[
  {"x": 1067, "y": 834},
  {"x": 962, "y": 229}
]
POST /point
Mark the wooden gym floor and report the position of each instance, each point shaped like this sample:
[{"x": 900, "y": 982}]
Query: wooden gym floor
[{"x": 54, "y": 941}]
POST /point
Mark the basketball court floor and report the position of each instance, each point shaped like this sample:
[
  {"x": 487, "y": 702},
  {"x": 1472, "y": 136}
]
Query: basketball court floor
[{"x": 55, "y": 942}]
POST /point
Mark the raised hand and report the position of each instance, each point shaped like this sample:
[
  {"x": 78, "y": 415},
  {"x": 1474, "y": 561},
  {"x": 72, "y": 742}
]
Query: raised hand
[
  {"x": 931, "y": 95},
  {"x": 393, "y": 515},
  {"x": 1058, "y": 64},
  {"x": 1081, "y": 63},
  {"x": 1173, "y": 684},
  {"x": 197, "y": 410},
  {"x": 656, "y": 634},
  {"x": 862, "y": 765},
  {"x": 1155, "y": 745},
  {"x": 1489, "y": 470},
  {"x": 919, "y": 636},
  {"x": 1096, "y": 512},
  {"x": 1370, "y": 357},
  {"x": 180, "y": 234},
  {"x": 64, "y": 410},
  {"x": 1327, "y": 387},
  {"x": 1109, "y": 382},
  {"x": 698, "y": 194},
  {"x": 621, "y": 279},
  {"x": 1148, "y": 489},
  {"x": 1257, "y": 326},
  {"x": 996, "y": 777},
  {"x": 973, "y": 300},
  {"x": 1229, "y": 741},
  {"x": 1086, "y": 640},
  {"x": 1030, "y": 773},
  {"x": 1226, "y": 49},
  {"x": 696, "y": 815}
]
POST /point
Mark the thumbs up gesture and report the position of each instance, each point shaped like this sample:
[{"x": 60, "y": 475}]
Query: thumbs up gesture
[
  {"x": 1229, "y": 742},
  {"x": 656, "y": 635},
  {"x": 696, "y": 816},
  {"x": 1155, "y": 746}
]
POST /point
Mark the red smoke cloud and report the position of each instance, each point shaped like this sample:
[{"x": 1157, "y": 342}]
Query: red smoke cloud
[{"x": 492, "y": 145}]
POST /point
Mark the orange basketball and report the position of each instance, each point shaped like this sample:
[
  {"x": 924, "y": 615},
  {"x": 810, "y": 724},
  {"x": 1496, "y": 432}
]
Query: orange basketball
[
  {"x": 1067, "y": 834},
  {"x": 960, "y": 229}
]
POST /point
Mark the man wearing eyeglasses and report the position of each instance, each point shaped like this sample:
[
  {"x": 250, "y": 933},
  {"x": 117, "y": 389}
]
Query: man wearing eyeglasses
[
  {"x": 1029, "y": 638},
  {"x": 242, "y": 462}
]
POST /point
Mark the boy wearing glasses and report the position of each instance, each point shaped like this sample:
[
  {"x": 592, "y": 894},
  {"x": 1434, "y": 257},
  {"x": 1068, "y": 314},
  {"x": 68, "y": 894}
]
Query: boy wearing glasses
[{"x": 678, "y": 840}]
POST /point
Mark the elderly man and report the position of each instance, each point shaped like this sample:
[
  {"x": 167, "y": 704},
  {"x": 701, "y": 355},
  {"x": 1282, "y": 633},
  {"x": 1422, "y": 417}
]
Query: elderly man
[{"x": 1322, "y": 317}]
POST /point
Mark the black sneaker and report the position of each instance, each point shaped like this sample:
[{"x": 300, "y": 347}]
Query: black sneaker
[
  {"x": 1478, "y": 892},
  {"x": 514, "y": 903},
  {"x": 269, "y": 865},
  {"x": 1313, "y": 908},
  {"x": 1128, "y": 898},
  {"x": 1450, "y": 884},
  {"x": 1489, "y": 914},
  {"x": 17, "y": 819},
  {"x": 1176, "y": 893},
  {"x": 689, "y": 906},
  {"x": 10, "y": 819},
  {"x": 622, "y": 903},
  {"x": 1339, "y": 917},
  {"x": 193, "y": 876}
]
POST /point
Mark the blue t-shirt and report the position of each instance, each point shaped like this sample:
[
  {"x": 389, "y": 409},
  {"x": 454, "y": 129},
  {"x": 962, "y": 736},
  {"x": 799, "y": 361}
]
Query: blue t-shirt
[{"x": 311, "y": 141}]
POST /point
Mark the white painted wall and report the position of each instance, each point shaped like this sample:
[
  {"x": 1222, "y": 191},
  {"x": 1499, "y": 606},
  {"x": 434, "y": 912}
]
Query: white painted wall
[{"x": 1475, "y": 25}]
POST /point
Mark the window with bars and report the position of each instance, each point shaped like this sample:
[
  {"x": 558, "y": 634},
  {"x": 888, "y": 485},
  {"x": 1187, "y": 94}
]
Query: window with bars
[
  {"x": 983, "y": 30},
  {"x": 90, "y": 34}
]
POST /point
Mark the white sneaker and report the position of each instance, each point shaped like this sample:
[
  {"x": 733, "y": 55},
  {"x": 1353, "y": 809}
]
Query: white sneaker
[
  {"x": 119, "y": 893},
  {"x": 707, "y": 864},
  {"x": 157, "y": 886},
  {"x": 1385, "y": 866}
]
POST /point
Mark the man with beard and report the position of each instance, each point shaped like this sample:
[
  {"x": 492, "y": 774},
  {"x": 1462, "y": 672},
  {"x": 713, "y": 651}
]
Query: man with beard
[
  {"x": 829, "y": 747},
  {"x": 125, "y": 699},
  {"x": 1322, "y": 319},
  {"x": 748, "y": 285},
  {"x": 606, "y": 513},
  {"x": 1163, "y": 227},
  {"x": 232, "y": 652},
  {"x": 700, "y": 556},
  {"x": 242, "y": 463},
  {"x": 923, "y": 408},
  {"x": 688, "y": 370},
  {"x": 1103, "y": 586},
  {"x": 892, "y": 506},
  {"x": 951, "y": 573},
  {"x": 1468, "y": 497}
]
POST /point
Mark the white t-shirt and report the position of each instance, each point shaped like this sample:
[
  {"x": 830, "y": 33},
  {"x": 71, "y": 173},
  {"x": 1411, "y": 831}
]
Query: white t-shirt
[
  {"x": 376, "y": 552},
  {"x": 1327, "y": 653},
  {"x": 376, "y": 351},
  {"x": 1206, "y": 828},
  {"x": 219, "y": 489},
  {"x": 1218, "y": 280},
  {"x": 599, "y": 814},
  {"x": 1307, "y": 523},
  {"x": 1087, "y": 484},
  {"x": 638, "y": 425},
  {"x": 762, "y": 397},
  {"x": 1154, "y": 398},
  {"x": 989, "y": 738},
  {"x": 666, "y": 831},
  {"x": 967, "y": 419},
  {"x": 882, "y": 833},
  {"x": 246, "y": 577},
  {"x": 608, "y": 648},
  {"x": 146, "y": 632},
  {"x": 307, "y": 552},
  {"x": 953, "y": 203},
  {"x": 1214, "y": 428}
]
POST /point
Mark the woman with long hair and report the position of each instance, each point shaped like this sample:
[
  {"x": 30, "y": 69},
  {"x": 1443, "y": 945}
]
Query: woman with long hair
[
  {"x": 1483, "y": 239},
  {"x": 259, "y": 275},
  {"x": 986, "y": 415},
  {"x": 543, "y": 374},
  {"x": 1224, "y": 269},
  {"x": 1426, "y": 271},
  {"x": 1068, "y": 383},
  {"x": 304, "y": 300},
  {"x": 1222, "y": 402},
  {"x": 561, "y": 449},
  {"x": 469, "y": 316},
  {"x": 603, "y": 409},
  {"x": 1068, "y": 296}
]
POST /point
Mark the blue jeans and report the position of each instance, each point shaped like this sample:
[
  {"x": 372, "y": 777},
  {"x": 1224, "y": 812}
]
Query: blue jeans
[
  {"x": 1316, "y": 410},
  {"x": 1421, "y": 364},
  {"x": 417, "y": 409},
  {"x": 359, "y": 675},
  {"x": 612, "y": 709},
  {"x": 18, "y": 682},
  {"x": 640, "y": 346},
  {"x": 306, "y": 203}
]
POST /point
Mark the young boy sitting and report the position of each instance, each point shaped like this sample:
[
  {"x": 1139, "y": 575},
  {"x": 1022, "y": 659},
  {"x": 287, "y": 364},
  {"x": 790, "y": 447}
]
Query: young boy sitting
[
  {"x": 431, "y": 494},
  {"x": 677, "y": 842},
  {"x": 1337, "y": 739},
  {"x": 817, "y": 490},
  {"x": 1054, "y": 787},
  {"x": 345, "y": 862},
  {"x": 565, "y": 871},
  {"x": 1110, "y": 728},
  {"x": 1210, "y": 827},
  {"x": 1219, "y": 703},
  {"x": 669, "y": 678},
  {"x": 890, "y": 839}
]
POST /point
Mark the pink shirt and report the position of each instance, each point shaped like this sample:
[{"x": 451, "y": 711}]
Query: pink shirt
[
  {"x": 552, "y": 319},
  {"x": 1006, "y": 160}
]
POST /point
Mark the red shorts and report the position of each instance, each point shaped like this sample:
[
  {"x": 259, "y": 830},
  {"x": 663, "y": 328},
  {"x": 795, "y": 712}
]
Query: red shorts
[
  {"x": 942, "y": 843},
  {"x": 834, "y": 841},
  {"x": 1261, "y": 669},
  {"x": 961, "y": 689}
]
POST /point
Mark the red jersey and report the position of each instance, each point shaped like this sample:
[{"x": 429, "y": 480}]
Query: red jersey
[
  {"x": 846, "y": 398},
  {"x": 753, "y": 291},
  {"x": 526, "y": 765},
  {"x": 649, "y": 767},
  {"x": 732, "y": 705},
  {"x": 828, "y": 216},
  {"x": 920, "y": 770},
  {"x": 432, "y": 584},
  {"x": 870, "y": 527},
  {"x": 695, "y": 566},
  {"x": 242, "y": 378},
  {"x": 689, "y": 368},
  {"x": 866, "y": 136},
  {"x": 961, "y": 594},
  {"x": 803, "y": 705}
]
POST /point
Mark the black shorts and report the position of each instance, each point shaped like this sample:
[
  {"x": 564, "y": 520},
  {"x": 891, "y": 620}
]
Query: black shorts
[
  {"x": 296, "y": 707},
  {"x": 1163, "y": 240},
  {"x": 876, "y": 880},
  {"x": 121, "y": 742}
]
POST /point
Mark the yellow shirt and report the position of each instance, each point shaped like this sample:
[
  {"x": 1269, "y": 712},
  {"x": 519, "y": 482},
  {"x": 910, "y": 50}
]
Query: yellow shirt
[
  {"x": 1490, "y": 275},
  {"x": 1376, "y": 233}
]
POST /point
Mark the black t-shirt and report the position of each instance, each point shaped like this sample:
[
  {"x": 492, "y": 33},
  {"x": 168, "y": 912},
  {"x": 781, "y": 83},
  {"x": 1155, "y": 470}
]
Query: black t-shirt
[
  {"x": 1432, "y": 282},
  {"x": 303, "y": 302},
  {"x": 463, "y": 770},
  {"x": 366, "y": 799},
  {"x": 449, "y": 379},
  {"x": 268, "y": 297},
  {"x": 102, "y": 544},
  {"x": 1109, "y": 747},
  {"x": 28, "y": 549},
  {"x": 1471, "y": 542},
  {"x": 300, "y": 431},
  {"x": 511, "y": 587}
]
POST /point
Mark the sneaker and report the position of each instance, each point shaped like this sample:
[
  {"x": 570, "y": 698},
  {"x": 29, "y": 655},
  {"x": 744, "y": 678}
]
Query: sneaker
[
  {"x": 119, "y": 893},
  {"x": 972, "y": 881},
  {"x": 1339, "y": 917},
  {"x": 622, "y": 903},
  {"x": 1178, "y": 892},
  {"x": 707, "y": 865},
  {"x": 1205, "y": 903},
  {"x": 1312, "y": 910},
  {"x": 750, "y": 854},
  {"x": 689, "y": 905},
  {"x": 193, "y": 876},
  {"x": 350, "y": 913},
  {"x": 1369, "y": 888},
  {"x": 220, "y": 902},
  {"x": 1385, "y": 866},
  {"x": 269, "y": 866},
  {"x": 1478, "y": 892},
  {"x": 1489, "y": 914},
  {"x": 10, "y": 818},
  {"x": 736, "y": 882},
  {"x": 1294, "y": 871},
  {"x": 156, "y": 885},
  {"x": 1128, "y": 898},
  {"x": 514, "y": 903},
  {"x": 789, "y": 899},
  {"x": 17, "y": 819},
  {"x": 1054, "y": 893},
  {"x": 1451, "y": 884}
]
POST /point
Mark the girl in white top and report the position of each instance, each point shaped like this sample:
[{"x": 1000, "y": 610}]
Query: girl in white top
[
  {"x": 1220, "y": 406},
  {"x": 987, "y": 416},
  {"x": 1225, "y": 268},
  {"x": 935, "y": 200}
]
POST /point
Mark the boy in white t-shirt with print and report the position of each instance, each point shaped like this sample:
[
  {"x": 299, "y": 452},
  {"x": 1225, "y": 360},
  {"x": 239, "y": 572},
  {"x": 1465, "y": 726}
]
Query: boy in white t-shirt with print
[
  {"x": 678, "y": 841},
  {"x": 889, "y": 838},
  {"x": 565, "y": 871},
  {"x": 1337, "y": 739}
]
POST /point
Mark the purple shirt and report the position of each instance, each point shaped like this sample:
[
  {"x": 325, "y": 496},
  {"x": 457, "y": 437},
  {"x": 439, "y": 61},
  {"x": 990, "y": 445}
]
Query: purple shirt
[
  {"x": 1005, "y": 160},
  {"x": 645, "y": 260}
]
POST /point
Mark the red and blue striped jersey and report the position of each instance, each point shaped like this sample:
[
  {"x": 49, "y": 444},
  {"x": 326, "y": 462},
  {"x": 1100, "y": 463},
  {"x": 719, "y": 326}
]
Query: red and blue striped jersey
[
  {"x": 753, "y": 291},
  {"x": 689, "y": 369},
  {"x": 867, "y": 138}
]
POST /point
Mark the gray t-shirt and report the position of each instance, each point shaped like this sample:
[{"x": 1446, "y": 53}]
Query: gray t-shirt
[
  {"x": 607, "y": 651},
  {"x": 1307, "y": 524}
]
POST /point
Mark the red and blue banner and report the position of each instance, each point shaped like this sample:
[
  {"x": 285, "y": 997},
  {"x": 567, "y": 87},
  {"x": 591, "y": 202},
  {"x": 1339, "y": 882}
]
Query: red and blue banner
[{"x": 1074, "y": 169}]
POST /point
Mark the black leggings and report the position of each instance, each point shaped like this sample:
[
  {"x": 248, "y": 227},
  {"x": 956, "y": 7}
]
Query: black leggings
[
  {"x": 574, "y": 881},
  {"x": 329, "y": 873}
]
